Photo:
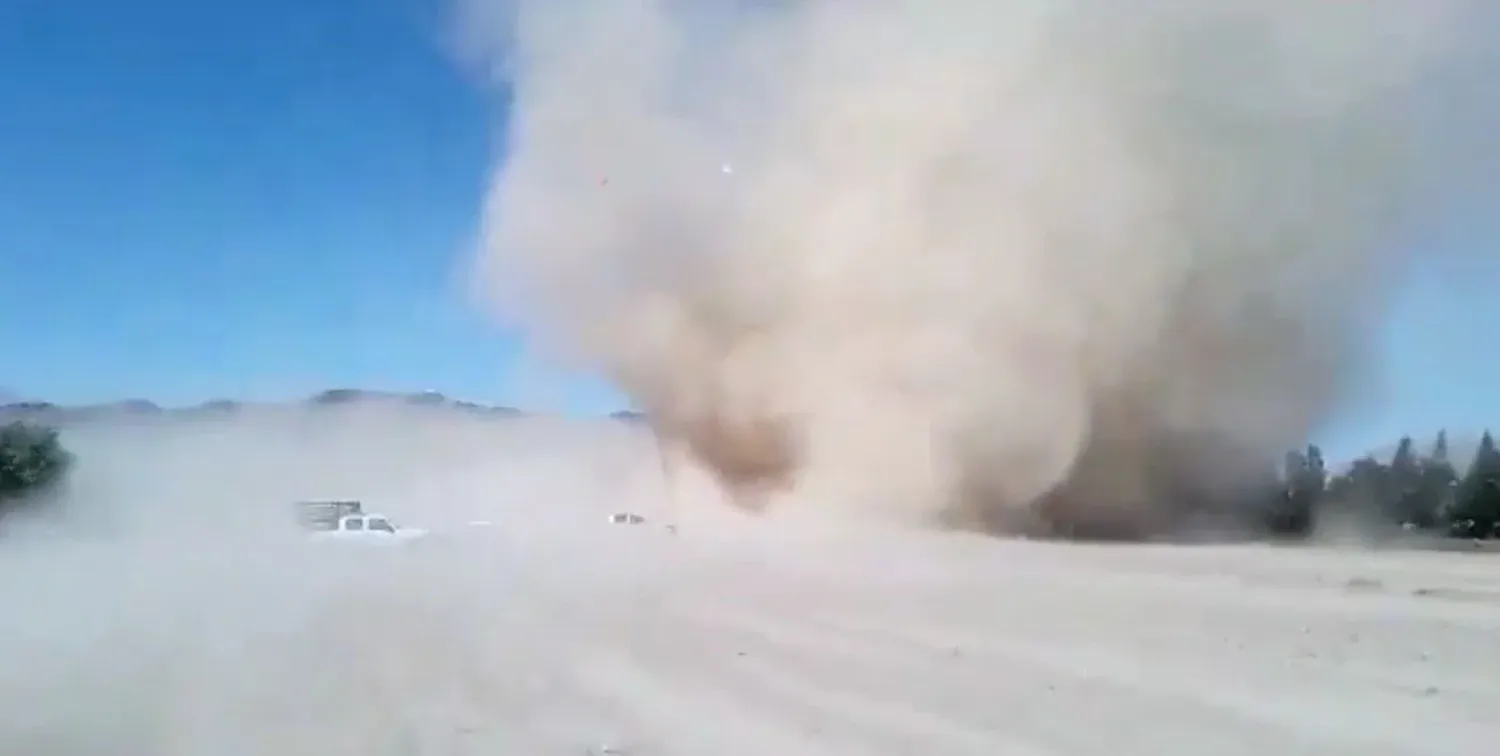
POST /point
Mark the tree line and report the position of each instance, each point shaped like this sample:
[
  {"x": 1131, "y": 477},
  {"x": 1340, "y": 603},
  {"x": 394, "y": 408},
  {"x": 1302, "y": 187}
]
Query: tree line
[{"x": 1418, "y": 489}]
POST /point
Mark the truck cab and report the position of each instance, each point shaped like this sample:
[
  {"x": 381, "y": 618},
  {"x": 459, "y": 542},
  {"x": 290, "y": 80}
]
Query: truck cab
[{"x": 347, "y": 521}]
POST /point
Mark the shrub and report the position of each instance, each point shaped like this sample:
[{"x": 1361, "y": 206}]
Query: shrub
[{"x": 32, "y": 462}]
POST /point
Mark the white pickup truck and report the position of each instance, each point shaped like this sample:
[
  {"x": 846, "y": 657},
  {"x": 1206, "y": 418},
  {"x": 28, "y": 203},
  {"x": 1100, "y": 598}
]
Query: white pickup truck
[
  {"x": 368, "y": 527},
  {"x": 347, "y": 521}
]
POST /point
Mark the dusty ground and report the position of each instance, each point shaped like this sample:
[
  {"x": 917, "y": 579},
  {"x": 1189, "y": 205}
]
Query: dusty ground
[{"x": 556, "y": 633}]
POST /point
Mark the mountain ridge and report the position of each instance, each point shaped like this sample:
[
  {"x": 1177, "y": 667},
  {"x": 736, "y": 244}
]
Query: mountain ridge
[{"x": 43, "y": 411}]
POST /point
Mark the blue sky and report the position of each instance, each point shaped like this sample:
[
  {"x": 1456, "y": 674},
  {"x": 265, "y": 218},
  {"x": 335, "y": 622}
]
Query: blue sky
[
  {"x": 242, "y": 199},
  {"x": 266, "y": 199}
]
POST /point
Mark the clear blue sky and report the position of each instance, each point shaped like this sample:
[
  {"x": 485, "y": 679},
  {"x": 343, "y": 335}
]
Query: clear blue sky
[
  {"x": 242, "y": 199},
  {"x": 266, "y": 199}
]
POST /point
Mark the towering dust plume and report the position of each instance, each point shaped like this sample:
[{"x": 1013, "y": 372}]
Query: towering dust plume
[{"x": 973, "y": 259}]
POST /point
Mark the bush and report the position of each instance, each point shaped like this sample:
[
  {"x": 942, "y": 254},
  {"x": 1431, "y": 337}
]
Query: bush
[{"x": 32, "y": 462}]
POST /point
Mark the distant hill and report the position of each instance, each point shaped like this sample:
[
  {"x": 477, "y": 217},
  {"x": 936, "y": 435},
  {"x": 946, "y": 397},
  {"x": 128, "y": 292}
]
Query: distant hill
[
  {"x": 47, "y": 412},
  {"x": 344, "y": 396}
]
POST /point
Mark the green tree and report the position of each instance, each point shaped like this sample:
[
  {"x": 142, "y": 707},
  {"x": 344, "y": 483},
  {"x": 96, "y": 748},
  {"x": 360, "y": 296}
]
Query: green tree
[
  {"x": 1290, "y": 511},
  {"x": 1360, "y": 492},
  {"x": 1402, "y": 500},
  {"x": 1311, "y": 488},
  {"x": 1438, "y": 483},
  {"x": 32, "y": 462},
  {"x": 1315, "y": 473},
  {"x": 1477, "y": 506}
]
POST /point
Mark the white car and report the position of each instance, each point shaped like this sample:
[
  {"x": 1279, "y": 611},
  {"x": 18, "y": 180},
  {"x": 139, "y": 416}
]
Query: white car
[{"x": 374, "y": 528}]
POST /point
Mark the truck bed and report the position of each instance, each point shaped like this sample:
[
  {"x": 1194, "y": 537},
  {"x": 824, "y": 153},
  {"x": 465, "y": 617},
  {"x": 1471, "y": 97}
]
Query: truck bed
[{"x": 324, "y": 515}]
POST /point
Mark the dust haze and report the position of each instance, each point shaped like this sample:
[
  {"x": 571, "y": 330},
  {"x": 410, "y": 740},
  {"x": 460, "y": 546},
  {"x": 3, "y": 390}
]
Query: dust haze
[
  {"x": 853, "y": 257},
  {"x": 984, "y": 262},
  {"x": 168, "y": 605},
  {"x": 167, "y": 602}
]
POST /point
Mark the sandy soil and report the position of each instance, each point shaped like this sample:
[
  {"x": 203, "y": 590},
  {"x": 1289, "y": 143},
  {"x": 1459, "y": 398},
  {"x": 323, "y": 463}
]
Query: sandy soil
[{"x": 556, "y": 633}]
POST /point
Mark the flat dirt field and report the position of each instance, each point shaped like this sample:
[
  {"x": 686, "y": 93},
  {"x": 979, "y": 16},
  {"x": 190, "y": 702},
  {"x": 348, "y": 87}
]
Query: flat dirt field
[{"x": 554, "y": 632}]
